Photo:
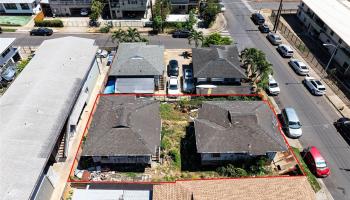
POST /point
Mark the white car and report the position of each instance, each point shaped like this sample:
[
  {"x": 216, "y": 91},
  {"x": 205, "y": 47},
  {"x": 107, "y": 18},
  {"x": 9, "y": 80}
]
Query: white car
[
  {"x": 315, "y": 86},
  {"x": 299, "y": 67},
  {"x": 285, "y": 50},
  {"x": 84, "y": 12},
  {"x": 222, "y": 7},
  {"x": 273, "y": 87},
  {"x": 173, "y": 86},
  {"x": 274, "y": 38}
]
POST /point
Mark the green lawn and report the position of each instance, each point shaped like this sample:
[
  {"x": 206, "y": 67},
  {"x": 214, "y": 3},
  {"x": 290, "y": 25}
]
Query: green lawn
[
  {"x": 14, "y": 20},
  {"x": 310, "y": 176}
]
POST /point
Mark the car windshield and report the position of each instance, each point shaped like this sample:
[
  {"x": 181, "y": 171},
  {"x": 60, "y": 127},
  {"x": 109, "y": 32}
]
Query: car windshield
[
  {"x": 318, "y": 82},
  {"x": 303, "y": 67},
  {"x": 173, "y": 87},
  {"x": 321, "y": 164},
  {"x": 322, "y": 89},
  {"x": 277, "y": 37},
  {"x": 273, "y": 85},
  {"x": 294, "y": 125}
]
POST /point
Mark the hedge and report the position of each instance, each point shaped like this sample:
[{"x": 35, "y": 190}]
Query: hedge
[{"x": 49, "y": 23}]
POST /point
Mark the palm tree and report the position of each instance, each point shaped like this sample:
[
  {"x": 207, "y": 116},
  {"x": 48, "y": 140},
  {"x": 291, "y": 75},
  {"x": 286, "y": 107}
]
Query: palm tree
[
  {"x": 250, "y": 58},
  {"x": 132, "y": 35},
  {"x": 196, "y": 36},
  {"x": 118, "y": 35}
]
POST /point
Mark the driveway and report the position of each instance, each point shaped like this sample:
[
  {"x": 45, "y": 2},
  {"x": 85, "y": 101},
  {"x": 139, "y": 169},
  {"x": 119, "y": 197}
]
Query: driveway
[{"x": 315, "y": 113}]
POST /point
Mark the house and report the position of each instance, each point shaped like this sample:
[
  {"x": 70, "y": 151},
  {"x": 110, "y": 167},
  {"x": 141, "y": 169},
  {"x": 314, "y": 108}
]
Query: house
[
  {"x": 19, "y": 6},
  {"x": 113, "y": 9},
  {"x": 282, "y": 188},
  {"x": 39, "y": 113},
  {"x": 183, "y": 6},
  {"x": 233, "y": 130},
  {"x": 111, "y": 194},
  {"x": 125, "y": 130},
  {"x": 329, "y": 27},
  {"x": 138, "y": 68},
  {"x": 9, "y": 55},
  {"x": 219, "y": 65}
]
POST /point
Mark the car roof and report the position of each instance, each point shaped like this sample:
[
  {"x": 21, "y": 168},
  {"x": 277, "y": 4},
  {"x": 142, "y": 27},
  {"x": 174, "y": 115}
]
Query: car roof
[
  {"x": 271, "y": 79},
  {"x": 173, "y": 61},
  {"x": 316, "y": 154},
  {"x": 292, "y": 115},
  {"x": 173, "y": 80}
]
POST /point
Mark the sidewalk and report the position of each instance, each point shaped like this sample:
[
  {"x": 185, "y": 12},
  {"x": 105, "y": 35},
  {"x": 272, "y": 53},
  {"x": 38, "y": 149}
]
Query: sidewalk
[{"x": 219, "y": 25}]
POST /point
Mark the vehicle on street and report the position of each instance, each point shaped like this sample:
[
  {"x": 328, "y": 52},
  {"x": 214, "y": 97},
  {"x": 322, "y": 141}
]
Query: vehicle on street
[
  {"x": 222, "y": 7},
  {"x": 173, "y": 86},
  {"x": 102, "y": 53},
  {"x": 290, "y": 123},
  {"x": 273, "y": 88},
  {"x": 299, "y": 67},
  {"x": 93, "y": 23},
  {"x": 343, "y": 127},
  {"x": 173, "y": 68},
  {"x": 41, "y": 31},
  {"x": 84, "y": 12},
  {"x": 285, "y": 50},
  {"x": 181, "y": 34},
  {"x": 314, "y": 86},
  {"x": 274, "y": 38},
  {"x": 264, "y": 28},
  {"x": 188, "y": 73},
  {"x": 316, "y": 163},
  {"x": 258, "y": 18}
]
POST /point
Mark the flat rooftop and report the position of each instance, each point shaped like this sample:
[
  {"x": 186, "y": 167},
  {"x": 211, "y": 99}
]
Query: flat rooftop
[
  {"x": 334, "y": 13},
  {"x": 5, "y": 43},
  {"x": 34, "y": 109}
]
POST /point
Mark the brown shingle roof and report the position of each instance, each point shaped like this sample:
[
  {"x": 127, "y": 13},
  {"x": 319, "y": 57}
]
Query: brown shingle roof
[{"x": 276, "y": 188}]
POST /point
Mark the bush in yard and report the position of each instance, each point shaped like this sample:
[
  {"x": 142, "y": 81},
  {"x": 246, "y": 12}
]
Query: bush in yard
[
  {"x": 49, "y": 23},
  {"x": 231, "y": 171},
  {"x": 176, "y": 157},
  {"x": 165, "y": 144}
]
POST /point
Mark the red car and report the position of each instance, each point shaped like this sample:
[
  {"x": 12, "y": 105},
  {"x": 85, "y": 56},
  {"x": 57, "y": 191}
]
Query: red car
[{"x": 316, "y": 163}]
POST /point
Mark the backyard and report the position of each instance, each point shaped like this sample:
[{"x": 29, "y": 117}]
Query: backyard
[{"x": 14, "y": 20}]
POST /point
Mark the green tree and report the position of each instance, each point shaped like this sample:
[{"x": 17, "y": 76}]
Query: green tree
[
  {"x": 96, "y": 9},
  {"x": 216, "y": 39},
  {"x": 196, "y": 36},
  {"x": 130, "y": 35},
  {"x": 158, "y": 23},
  {"x": 209, "y": 12},
  {"x": 118, "y": 35},
  {"x": 133, "y": 35},
  {"x": 162, "y": 8},
  {"x": 191, "y": 21}
]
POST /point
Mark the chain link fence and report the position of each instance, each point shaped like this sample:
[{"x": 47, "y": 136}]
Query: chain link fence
[{"x": 337, "y": 86}]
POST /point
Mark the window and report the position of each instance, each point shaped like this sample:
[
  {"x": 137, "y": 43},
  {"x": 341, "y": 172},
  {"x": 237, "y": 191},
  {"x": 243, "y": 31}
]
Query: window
[
  {"x": 10, "y": 6},
  {"x": 302, "y": 4},
  {"x": 24, "y": 6},
  {"x": 215, "y": 155},
  {"x": 332, "y": 33},
  {"x": 5, "y": 52}
]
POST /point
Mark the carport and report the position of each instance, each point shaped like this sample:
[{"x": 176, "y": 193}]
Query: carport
[{"x": 135, "y": 85}]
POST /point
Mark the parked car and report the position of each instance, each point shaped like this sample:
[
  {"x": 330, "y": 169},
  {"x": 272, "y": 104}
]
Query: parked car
[
  {"x": 264, "y": 28},
  {"x": 343, "y": 127},
  {"x": 173, "y": 68},
  {"x": 258, "y": 18},
  {"x": 102, "y": 53},
  {"x": 285, "y": 50},
  {"x": 94, "y": 23},
  {"x": 222, "y": 7},
  {"x": 188, "y": 85},
  {"x": 41, "y": 31},
  {"x": 316, "y": 163},
  {"x": 274, "y": 38},
  {"x": 315, "y": 86},
  {"x": 84, "y": 12},
  {"x": 273, "y": 88},
  {"x": 173, "y": 86},
  {"x": 290, "y": 123},
  {"x": 299, "y": 67},
  {"x": 188, "y": 73},
  {"x": 181, "y": 34}
]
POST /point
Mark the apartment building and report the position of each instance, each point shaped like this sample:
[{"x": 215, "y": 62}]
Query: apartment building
[
  {"x": 183, "y": 6},
  {"x": 19, "y": 6},
  {"x": 328, "y": 20},
  {"x": 69, "y": 7}
]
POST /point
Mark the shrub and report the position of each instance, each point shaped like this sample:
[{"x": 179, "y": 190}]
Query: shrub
[
  {"x": 165, "y": 144},
  {"x": 105, "y": 29},
  {"x": 231, "y": 171},
  {"x": 176, "y": 157},
  {"x": 49, "y": 23},
  {"x": 22, "y": 65}
]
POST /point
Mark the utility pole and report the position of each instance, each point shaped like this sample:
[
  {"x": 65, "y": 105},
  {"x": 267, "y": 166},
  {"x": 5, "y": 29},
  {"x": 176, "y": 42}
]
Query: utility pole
[
  {"x": 161, "y": 14},
  {"x": 151, "y": 4},
  {"x": 277, "y": 20}
]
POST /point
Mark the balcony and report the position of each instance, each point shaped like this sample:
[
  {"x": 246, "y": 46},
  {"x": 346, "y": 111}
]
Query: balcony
[
  {"x": 8, "y": 56},
  {"x": 179, "y": 2}
]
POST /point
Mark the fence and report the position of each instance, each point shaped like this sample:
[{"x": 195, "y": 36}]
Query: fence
[{"x": 337, "y": 86}]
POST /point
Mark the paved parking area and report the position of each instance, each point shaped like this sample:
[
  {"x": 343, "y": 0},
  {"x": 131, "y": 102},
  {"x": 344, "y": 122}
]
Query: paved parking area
[{"x": 176, "y": 54}]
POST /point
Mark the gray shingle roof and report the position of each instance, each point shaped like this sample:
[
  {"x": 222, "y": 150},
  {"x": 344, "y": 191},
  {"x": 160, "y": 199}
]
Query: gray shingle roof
[
  {"x": 233, "y": 126},
  {"x": 217, "y": 62},
  {"x": 138, "y": 59},
  {"x": 124, "y": 125}
]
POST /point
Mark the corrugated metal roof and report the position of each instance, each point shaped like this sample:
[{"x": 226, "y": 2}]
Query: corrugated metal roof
[
  {"x": 82, "y": 194},
  {"x": 135, "y": 85},
  {"x": 34, "y": 109}
]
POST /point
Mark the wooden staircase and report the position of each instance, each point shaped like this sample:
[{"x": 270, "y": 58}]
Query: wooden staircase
[
  {"x": 60, "y": 153},
  {"x": 161, "y": 83}
]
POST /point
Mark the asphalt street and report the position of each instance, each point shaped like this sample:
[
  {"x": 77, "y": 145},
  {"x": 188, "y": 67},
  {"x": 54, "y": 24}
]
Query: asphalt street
[
  {"x": 102, "y": 40},
  {"x": 316, "y": 113}
]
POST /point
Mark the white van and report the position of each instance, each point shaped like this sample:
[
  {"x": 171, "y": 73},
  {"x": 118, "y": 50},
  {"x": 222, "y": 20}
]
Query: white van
[
  {"x": 291, "y": 123},
  {"x": 273, "y": 88},
  {"x": 285, "y": 50}
]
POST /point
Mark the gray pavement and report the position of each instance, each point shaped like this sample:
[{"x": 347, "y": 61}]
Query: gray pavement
[
  {"x": 316, "y": 113},
  {"x": 24, "y": 39},
  {"x": 273, "y": 5}
]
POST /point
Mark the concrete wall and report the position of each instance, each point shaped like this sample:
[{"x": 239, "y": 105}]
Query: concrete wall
[{"x": 210, "y": 158}]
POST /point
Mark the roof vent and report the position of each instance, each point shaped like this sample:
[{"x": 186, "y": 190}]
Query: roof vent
[{"x": 122, "y": 118}]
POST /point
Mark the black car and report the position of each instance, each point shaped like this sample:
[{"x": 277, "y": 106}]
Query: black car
[
  {"x": 173, "y": 68},
  {"x": 264, "y": 28},
  {"x": 93, "y": 23},
  {"x": 343, "y": 127},
  {"x": 258, "y": 18},
  {"x": 181, "y": 34},
  {"x": 41, "y": 31}
]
